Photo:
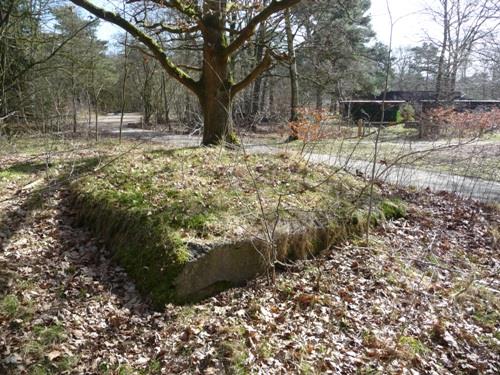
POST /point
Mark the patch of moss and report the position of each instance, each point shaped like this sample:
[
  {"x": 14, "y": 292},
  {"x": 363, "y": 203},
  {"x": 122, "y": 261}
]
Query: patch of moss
[
  {"x": 487, "y": 318},
  {"x": 233, "y": 139},
  {"x": 412, "y": 345},
  {"x": 360, "y": 218},
  {"x": 149, "y": 205},
  {"x": 234, "y": 354},
  {"x": 52, "y": 334},
  {"x": 148, "y": 248},
  {"x": 392, "y": 209},
  {"x": 46, "y": 367},
  {"x": 13, "y": 308}
]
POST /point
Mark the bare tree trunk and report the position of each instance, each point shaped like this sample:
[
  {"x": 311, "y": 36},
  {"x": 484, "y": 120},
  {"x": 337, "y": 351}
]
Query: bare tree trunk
[
  {"x": 147, "y": 89},
  {"x": 89, "y": 100},
  {"x": 271, "y": 100},
  {"x": 187, "y": 117},
  {"x": 22, "y": 107},
  {"x": 124, "y": 83},
  {"x": 166, "y": 106},
  {"x": 333, "y": 103},
  {"x": 73, "y": 83},
  {"x": 453, "y": 82},
  {"x": 294, "y": 82},
  {"x": 262, "y": 103},
  {"x": 216, "y": 96},
  {"x": 215, "y": 100},
  {"x": 259, "y": 52},
  {"x": 96, "y": 121},
  {"x": 4, "y": 107},
  {"x": 319, "y": 97},
  {"x": 444, "y": 46},
  {"x": 73, "y": 101}
]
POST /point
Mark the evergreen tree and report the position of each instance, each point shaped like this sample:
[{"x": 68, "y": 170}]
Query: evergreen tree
[{"x": 336, "y": 34}]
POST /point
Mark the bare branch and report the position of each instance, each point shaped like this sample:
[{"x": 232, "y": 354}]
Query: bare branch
[
  {"x": 191, "y": 11},
  {"x": 258, "y": 70},
  {"x": 149, "y": 42},
  {"x": 245, "y": 33}
]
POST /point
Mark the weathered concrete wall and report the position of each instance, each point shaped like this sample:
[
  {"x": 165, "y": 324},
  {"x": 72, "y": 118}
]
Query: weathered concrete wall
[{"x": 232, "y": 264}]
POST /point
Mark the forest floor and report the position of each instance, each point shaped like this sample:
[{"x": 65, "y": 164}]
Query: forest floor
[{"x": 421, "y": 297}]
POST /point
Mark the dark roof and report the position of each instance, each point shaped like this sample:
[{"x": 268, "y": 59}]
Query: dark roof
[
  {"x": 355, "y": 101},
  {"x": 416, "y": 95}
]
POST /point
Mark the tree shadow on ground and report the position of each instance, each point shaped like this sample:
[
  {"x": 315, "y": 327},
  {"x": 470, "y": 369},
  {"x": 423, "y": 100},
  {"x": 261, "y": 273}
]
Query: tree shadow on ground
[
  {"x": 11, "y": 221},
  {"x": 25, "y": 168},
  {"x": 21, "y": 206},
  {"x": 90, "y": 260}
]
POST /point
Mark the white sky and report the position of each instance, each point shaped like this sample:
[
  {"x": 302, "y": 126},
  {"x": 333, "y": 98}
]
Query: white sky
[
  {"x": 409, "y": 18},
  {"x": 410, "y": 22}
]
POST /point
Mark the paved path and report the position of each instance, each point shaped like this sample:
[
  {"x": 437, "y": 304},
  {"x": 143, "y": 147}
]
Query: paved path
[
  {"x": 406, "y": 176},
  {"x": 401, "y": 175}
]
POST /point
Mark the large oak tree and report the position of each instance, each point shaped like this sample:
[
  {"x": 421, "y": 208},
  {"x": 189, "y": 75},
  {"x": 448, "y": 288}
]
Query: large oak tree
[{"x": 210, "y": 21}]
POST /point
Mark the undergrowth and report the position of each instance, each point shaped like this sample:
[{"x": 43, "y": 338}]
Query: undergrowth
[{"x": 152, "y": 207}]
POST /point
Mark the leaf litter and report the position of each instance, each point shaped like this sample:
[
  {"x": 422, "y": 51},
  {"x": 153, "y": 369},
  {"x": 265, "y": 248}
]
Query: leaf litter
[{"x": 421, "y": 298}]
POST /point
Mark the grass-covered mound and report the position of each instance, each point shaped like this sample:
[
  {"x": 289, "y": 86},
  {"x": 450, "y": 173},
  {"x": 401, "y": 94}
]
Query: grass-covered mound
[{"x": 160, "y": 209}]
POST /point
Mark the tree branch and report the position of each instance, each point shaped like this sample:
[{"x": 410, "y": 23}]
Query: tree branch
[
  {"x": 191, "y": 11},
  {"x": 4, "y": 18},
  {"x": 170, "y": 29},
  {"x": 249, "y": 29},
  {"x": 149, "y": 42},
  {"x": 258, "y": 70},
  {"x": 191, "y": 67},
  {"x": 51, "y": 55}
]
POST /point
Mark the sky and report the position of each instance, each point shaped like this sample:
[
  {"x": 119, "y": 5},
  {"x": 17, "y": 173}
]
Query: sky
[
  {"x": 410, "y": 21},
  {"x": 408, "y": 30}
]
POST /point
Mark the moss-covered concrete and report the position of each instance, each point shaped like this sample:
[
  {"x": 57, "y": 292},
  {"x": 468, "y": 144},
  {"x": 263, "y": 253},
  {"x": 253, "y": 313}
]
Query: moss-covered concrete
[{"x": 188, "y": 223}]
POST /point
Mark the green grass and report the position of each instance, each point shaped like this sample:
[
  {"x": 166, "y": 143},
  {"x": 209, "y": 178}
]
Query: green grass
[
  {"x": 9, "y": 305},
  {"x": 486, "y": 306},
  {"x": 492, "y": 136},
  {"x": 44, "y": 143},
  {"x": 23, "y": 169},
  {"x": 20, "y": 173},
  {"x": 13, "y": 308},
  {"x": 234, "y": 353},
  {"x": 45, "y": 339},
  {"x": 39, "y": 172},
  {"x": 52, "y": 334}
]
